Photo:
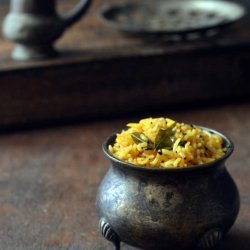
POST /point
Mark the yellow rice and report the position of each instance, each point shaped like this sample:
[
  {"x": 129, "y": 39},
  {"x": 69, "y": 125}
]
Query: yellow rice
[{"x": 191, "y": 145}]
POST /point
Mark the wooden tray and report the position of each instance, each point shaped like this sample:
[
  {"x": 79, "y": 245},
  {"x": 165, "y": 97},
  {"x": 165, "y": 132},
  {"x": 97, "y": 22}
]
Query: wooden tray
[{"x": 102, "y": 73}]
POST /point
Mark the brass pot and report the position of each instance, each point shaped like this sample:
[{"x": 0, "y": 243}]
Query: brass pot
[{"x": 174, "y": 208}]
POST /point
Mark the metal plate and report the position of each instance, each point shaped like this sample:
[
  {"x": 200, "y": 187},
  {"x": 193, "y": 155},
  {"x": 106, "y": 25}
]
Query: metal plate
[{"x": 171, "y": 17}]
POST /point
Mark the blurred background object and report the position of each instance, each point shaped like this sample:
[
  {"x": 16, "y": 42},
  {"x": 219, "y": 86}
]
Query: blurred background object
[
  {"x": 34, "y": 25},
  {"x": 103, "y": 73},
  {"x": 180, "y": 18}
]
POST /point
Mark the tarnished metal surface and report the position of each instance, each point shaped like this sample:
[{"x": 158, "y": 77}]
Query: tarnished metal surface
[
  {"x": 168, "y": 208},
  {"x": 33, "y": 25},
  {"x": 171, "y": 17}
]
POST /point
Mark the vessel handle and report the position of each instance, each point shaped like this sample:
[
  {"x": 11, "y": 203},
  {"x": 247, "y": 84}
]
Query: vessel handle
[{"x": 73, "y": 15}]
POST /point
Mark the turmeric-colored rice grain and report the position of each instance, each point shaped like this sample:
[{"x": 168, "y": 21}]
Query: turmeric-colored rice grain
[{"x": 165, "y": 143}]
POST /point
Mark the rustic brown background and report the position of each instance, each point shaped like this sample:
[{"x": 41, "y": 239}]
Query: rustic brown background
[{"x": 49, "y": 177}]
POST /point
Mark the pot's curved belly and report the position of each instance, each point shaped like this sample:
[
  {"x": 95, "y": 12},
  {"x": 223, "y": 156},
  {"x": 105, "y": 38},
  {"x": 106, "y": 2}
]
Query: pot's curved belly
[{"x": 179, "y": 211}]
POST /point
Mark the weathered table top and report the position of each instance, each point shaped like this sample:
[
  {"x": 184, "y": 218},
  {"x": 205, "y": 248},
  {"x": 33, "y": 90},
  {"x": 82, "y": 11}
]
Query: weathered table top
[
  {"x": 49, "y": 178},
  {"x": 125, "y": 74},
  {"x": 90, "y": 40}
]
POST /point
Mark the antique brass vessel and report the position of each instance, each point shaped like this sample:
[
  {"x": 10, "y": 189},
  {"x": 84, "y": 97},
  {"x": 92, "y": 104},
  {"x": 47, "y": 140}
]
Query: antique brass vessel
[
  {"x": 176, "y": 208},
  {"x": 33, "y": 25}
]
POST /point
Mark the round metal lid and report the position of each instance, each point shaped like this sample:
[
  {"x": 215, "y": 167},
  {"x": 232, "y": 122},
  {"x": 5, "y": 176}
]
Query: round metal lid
[{"x": 171, "y": 17}]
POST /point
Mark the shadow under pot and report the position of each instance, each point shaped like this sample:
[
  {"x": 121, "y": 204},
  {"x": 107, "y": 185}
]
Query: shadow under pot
[{"x": 174, "y": 208}]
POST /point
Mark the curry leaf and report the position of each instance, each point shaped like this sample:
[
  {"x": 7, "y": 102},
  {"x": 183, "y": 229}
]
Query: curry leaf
[
  {"x": 164, "y": 138},
  {"x": 140, "y": 137}
]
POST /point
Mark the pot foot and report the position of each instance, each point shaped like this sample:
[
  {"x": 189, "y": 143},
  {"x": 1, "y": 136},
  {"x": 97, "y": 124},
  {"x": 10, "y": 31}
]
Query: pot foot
[
  {"x": 108, "y": 233},
  {"x": 210, "y": 239}
]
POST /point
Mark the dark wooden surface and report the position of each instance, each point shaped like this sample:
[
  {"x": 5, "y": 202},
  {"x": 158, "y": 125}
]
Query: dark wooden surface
[
  {"x": 90, "y": 40},
  {"x": 103, "y": 73},
  {"x": 49, "y": 179}
]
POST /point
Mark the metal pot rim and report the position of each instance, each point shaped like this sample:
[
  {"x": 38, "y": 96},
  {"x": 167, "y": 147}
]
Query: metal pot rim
[{"x": 226, "y": 141}]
